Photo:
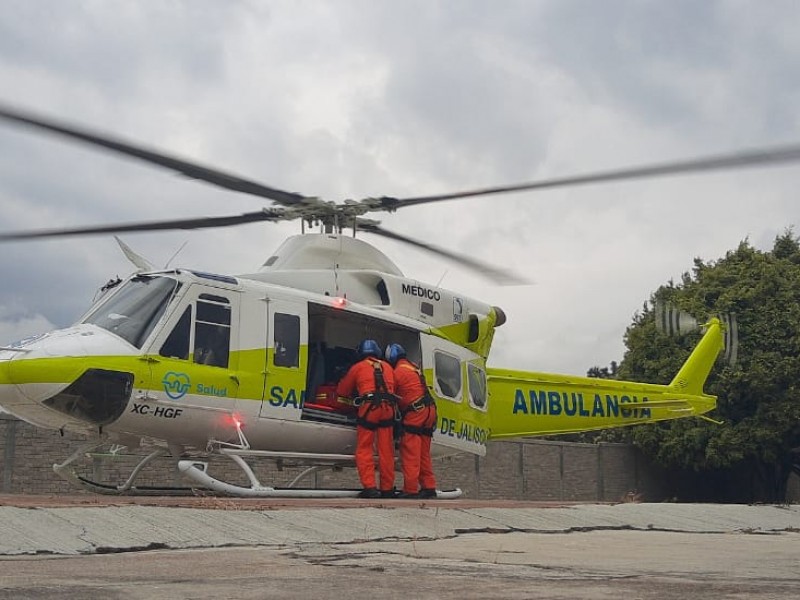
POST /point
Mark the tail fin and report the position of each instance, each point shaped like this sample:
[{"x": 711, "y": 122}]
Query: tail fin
[{"x": 694, "y": 372}]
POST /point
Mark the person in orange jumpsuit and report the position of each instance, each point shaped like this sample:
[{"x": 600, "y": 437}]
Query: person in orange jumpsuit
[
  {"x": 371, "y": 381},
  {"x": 418, "y": 412}
]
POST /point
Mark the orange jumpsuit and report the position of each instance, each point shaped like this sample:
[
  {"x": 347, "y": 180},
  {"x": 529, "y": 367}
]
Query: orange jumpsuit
[
  {"x": 419, "y": 421},
  {"x": 375, "y": 422}
]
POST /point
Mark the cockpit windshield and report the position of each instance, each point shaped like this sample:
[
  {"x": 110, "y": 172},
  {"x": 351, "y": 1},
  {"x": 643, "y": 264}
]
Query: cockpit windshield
[{"x": 134, "y": 310}]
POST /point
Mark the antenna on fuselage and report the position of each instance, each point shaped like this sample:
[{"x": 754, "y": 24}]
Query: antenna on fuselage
[{"x": 174, "y": 256}]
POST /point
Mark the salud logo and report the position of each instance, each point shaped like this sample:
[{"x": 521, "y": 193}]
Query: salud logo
[{"x": 176, "y": 384}]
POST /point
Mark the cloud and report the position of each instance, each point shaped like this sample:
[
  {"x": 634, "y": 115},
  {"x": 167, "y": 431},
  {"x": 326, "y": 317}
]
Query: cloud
[
  {"x": 358, "y": 98},
  {"x": 15, "y": 326}
]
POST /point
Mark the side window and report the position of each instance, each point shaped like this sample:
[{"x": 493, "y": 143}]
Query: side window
[
  {"x": 287, "y": 340},
  {"x": 476, "y": 379},
  {"x": 212, "y": 331},
  {"x": 447, "y": 371},
  {"x": 177, "y": 344}
]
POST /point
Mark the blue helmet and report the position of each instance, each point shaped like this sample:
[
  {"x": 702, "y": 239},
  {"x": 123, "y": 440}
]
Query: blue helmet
[
  {"x": 394, "y": 352},
  {"x": 368, "y": 348}
]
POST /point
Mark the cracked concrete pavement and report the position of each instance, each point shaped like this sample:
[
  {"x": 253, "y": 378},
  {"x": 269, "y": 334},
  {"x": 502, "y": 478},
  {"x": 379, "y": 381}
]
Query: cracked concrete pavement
[{"x": 424, "y": 551}]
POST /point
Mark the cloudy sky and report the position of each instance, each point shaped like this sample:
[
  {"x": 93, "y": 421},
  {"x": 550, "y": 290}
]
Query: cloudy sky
[{"x": 350, "y": 99}]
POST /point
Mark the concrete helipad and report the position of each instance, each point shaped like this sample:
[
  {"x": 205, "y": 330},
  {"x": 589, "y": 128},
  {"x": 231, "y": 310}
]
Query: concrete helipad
[{"x": 407, "y": 549}]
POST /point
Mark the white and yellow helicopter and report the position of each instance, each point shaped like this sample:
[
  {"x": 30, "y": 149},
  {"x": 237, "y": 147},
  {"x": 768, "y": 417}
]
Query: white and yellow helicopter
[{"x": 193, "y": 364}]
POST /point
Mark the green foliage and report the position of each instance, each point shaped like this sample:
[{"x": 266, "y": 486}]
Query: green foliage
[
  {"x": 608, "y": 372},
  {"x": 759, "y": 397}
]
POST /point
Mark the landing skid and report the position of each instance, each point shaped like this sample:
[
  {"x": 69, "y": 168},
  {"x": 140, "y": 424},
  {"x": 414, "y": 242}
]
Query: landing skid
[
  {"x": 126, "y": 489},
  {"x": 113, "y": 490},
  {"x": 197, "y": 471}
]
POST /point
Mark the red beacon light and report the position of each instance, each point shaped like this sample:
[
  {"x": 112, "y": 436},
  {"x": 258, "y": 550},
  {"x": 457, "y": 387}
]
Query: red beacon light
[
  {"x": 339, "y": 302},
  {"x": 234, "y": 419}
]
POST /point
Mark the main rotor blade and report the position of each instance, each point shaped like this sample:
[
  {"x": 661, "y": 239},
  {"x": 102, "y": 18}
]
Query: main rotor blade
[
  {"x": 496, "y": 274},
  {"x": 190, "y": 169},
  {"x": 745, "y": 159},
  {"x": 197, "y": 223}
]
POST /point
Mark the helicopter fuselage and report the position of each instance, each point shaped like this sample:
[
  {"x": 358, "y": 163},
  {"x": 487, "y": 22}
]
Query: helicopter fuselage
[
  {"x": 197, "y": 360},
  {"x": 197, "y": 363}
]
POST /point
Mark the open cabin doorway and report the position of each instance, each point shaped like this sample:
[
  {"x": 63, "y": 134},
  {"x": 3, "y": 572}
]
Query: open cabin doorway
[{"x": 333, "y": 335}]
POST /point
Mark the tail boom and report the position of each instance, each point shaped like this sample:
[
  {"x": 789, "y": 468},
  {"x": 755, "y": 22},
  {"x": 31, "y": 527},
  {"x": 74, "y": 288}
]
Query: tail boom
[{"x": 531, "y": 404}]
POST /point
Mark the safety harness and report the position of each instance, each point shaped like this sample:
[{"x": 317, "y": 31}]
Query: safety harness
[
  {"x": 375, "y": 399},
  {"x": 420, "y": 404}
]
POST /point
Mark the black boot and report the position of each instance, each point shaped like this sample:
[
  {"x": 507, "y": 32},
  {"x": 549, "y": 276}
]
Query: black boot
[
  {"x": 427, "y": 493},
  {"x": 408, "y": 495},
  {"x": 369, "y": 493},
  {"x": 389, "y": 493}
]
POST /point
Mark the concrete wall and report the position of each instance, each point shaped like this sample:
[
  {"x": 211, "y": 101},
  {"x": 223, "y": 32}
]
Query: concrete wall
[{"x": 517, "y": 470}]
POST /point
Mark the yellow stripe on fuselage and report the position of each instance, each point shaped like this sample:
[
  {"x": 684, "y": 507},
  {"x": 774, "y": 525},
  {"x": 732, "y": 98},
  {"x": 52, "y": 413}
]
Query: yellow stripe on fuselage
[{"x": 65, "y": 370}]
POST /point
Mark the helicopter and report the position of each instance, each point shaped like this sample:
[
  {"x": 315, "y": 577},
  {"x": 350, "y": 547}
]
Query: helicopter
[{"x": 192, "y": 364}]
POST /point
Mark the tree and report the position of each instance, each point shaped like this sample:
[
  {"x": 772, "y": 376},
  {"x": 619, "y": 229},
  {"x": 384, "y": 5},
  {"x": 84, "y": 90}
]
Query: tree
[
  {"x": 759, "y": 397},
  {"x": 609, "y": 372}
]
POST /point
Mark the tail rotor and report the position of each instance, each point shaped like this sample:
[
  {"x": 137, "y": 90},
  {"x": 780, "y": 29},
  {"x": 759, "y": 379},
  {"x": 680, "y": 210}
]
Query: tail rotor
[{"x": 675, "y": 322}]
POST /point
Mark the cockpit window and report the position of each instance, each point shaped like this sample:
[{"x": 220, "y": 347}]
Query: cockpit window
[
  {"x": 177, "y": 344},
  {"x": 134, "y": 310}
]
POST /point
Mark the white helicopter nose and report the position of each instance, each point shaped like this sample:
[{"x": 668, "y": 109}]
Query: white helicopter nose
[
  {"x": 14, "y": 397},
  {"x": 72, "y": 341},
  {"x": 68, "y": 375}
]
